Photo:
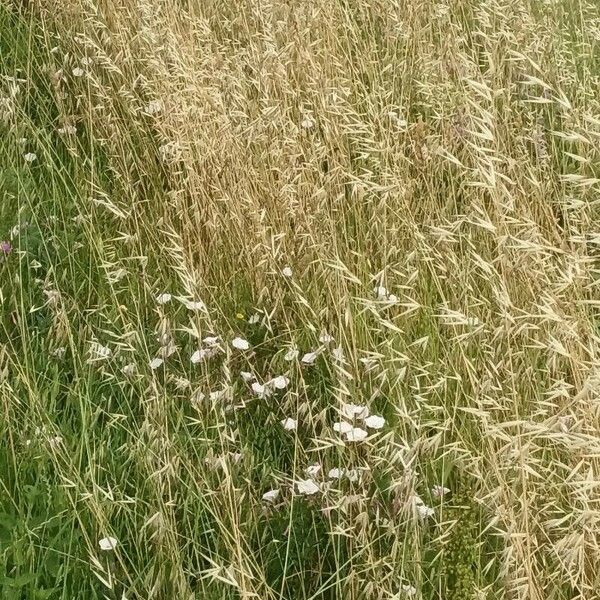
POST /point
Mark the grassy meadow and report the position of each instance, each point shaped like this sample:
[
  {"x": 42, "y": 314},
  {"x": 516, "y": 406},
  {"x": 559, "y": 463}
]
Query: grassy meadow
[{"x": 299, "y": 299}]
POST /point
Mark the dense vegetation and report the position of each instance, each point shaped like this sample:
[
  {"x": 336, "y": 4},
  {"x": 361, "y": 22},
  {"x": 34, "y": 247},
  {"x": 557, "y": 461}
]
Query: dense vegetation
[{"x": 299, "y": 299}]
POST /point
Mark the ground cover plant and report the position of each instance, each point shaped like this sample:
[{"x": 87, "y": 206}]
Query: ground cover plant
[{"x": 299, "y": 299}]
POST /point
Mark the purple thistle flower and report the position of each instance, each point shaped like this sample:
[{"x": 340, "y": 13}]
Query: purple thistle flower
[{"x": 5, "y": 247}]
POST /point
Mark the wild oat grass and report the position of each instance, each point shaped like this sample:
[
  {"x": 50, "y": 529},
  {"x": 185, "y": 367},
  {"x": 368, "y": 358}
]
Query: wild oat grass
[{"x": 299, "y": 299}]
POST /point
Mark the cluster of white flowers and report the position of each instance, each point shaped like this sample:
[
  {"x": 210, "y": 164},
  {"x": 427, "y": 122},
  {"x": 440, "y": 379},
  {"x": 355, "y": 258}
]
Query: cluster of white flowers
[
  {"x": 353, "y": 413},
  {"x": 341, "y": 473},
  {"x": 254, "y": 318},
  {"x": 311, "y": 485},
  {"x": 264, "y": 390},
  {"x": 210, "y": 349},
  {"x": 355, "y": 424}
]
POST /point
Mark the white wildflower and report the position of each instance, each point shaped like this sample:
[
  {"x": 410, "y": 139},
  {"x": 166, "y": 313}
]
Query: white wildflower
[
  {"x": 381, "y": 292},
  {"x": 313, "y": 470},
  {"x": 271, "y": 495},
  {"x": 307, "y": 123},
  {"x": 368, "y": 363},
  {"x": 59, "y": 352},
  {"x": 337, "y": 473},
  {"x": 352, "y": 474},
  {"x": 280, "y": 382},
  {"x": 211, "y": 340},
  {"x": 129, "y": 370},
  {"x": 240, "y": 343},
  {"x": 194, "y": 304},
  {"x": 108, "y": 543},
  {"x": 409, "y": 590},
  {"x": 351, "y": 411},
  {"x": 55, "y": 441},
  {"x": 325, "y": 338},
  {"x": 247, "y": 376},
  {"x": 258, "y": 388},
  {"x": 181, "y": 383},
  {"x": 309, "y": 358},
  {"x": 438, "y": 491},
  {"x": 30, "y": 157},
  {"x": 153, "y": 107},
  {"x": 163, "y": 298},
  {"x": 286, "y": 272},
  {"x": 201, "y": 354},
  {"x": 342, "y": 427},
  {"x": 307, "y": 487},
  {"x": 254, "y": 319},
  {"x": 291, "y": 354},
  {"x": 155, "y": 363},
  {"x": 218, "y": 395},
  {"x": 356, "y": 435},
  {"x": 261, "y": 390},
  {"x": 423, "y": 510},
  {"x": 383, "y": 295},
  {"x": 289, "y": 424},
  {"x": 78, "y": 72},
  {"x": 375, "y": 422},
  {"x": 338, "y": 354}
]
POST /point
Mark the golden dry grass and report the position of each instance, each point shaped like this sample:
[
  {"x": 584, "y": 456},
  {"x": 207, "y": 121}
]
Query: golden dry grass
[{"x": 444, "y": 151}]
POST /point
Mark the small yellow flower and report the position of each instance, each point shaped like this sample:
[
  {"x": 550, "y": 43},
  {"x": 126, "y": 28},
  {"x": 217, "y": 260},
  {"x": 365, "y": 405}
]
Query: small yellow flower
[{"x": 240, "y": 316}]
